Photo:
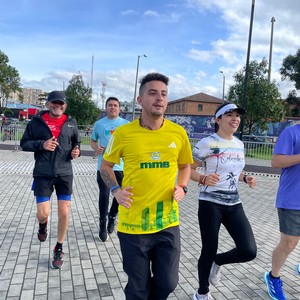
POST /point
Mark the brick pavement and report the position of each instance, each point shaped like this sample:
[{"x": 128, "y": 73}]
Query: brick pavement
[{"x": 93, "y": 269}]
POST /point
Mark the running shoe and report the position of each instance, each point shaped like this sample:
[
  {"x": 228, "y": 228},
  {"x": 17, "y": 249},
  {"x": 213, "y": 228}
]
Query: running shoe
[
  {"x": 215, "y": 274},
  {"x": 102, "y": 231},
  {"x": 111, "y": 224},
  {"x": 58, "y": 259},
  {"x": 207, "y": 296},
  {"x": 274, "y": 287},
  {"x": 43, "y": 232}
]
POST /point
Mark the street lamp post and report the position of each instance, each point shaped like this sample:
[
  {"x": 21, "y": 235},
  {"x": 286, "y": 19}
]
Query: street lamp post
[
  {"x": 271, "y": 46},
  {"x": 135, "y": 86},
  {"x": 223, "y": 97},
  {"x": 247, "y": 70},
  {"x": 63, "y": 83}
]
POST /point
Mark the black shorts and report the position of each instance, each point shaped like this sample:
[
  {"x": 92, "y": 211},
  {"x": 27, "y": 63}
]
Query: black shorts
[
  {"x": 43, "y": 188},
  {"x": 289, "y": 221}
]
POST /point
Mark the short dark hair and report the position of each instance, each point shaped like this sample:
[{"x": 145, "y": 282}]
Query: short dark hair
[
  {"x": 151, "y": 77},
  {"x": 111, "y": 98}
]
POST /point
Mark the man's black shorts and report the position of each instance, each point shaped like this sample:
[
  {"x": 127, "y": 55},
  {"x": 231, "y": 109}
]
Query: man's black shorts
[{"x": 43, "y": 187}]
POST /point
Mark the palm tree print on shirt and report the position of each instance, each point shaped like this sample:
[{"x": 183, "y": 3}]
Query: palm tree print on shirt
[{"x": 232, "y": 181}]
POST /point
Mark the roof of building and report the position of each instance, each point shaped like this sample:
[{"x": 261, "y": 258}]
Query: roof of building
[{"x": 200, "y": 97}]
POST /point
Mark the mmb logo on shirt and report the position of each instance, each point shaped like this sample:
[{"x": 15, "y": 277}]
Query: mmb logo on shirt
[{"x": 155, "y": 165}]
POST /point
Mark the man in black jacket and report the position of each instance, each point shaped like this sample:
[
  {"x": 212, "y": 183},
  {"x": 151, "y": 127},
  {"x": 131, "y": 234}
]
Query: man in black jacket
[{"x": 54, "y": 138}]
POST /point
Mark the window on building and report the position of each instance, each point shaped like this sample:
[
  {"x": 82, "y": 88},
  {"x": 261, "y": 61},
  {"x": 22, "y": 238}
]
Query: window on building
[{"x": 200, "y": 107}]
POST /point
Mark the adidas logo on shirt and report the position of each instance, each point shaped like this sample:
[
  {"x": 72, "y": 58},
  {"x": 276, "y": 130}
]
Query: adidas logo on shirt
[{"x": 172, "y": 145}]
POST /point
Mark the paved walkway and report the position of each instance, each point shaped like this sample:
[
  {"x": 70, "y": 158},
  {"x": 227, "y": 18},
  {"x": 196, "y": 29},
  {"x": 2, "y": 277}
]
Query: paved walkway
[{"x": 93, "y": 269}]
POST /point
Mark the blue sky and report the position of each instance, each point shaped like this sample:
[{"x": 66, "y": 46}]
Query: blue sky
[{"x": 190, "y": 41}]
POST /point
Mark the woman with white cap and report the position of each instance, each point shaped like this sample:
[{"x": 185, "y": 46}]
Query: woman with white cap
[{"x": 222, "y": 156}]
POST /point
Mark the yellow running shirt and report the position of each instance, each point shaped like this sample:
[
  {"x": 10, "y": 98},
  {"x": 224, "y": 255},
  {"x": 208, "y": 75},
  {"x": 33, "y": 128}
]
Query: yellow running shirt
[{"x": 151, "y": 161}]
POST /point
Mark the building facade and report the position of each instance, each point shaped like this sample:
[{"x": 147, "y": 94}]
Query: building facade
[{"x": 199, "y": 104}]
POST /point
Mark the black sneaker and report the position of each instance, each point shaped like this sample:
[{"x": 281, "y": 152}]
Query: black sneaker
[
  {"x": 42, "y": 232},
  {"x": 58, "y": 259},
  {"x": 102, "y": 231},
  {"x": 111, "y": 224}
]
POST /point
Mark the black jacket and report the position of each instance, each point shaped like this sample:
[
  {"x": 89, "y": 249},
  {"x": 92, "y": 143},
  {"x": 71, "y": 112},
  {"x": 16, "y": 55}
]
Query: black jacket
[{"x": 48, "y": 163}]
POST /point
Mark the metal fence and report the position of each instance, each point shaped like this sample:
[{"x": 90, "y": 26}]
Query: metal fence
[
  {"x": 13, "y": 133},
  {"x": 258, "y": 150}
]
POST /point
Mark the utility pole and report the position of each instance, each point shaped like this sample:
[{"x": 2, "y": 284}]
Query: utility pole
[
  {"x": 271, "y": 46},
  {"x": 135, "y": 86},
  {"x": 223, "y": 97},
  {"x": 92, "y": 74},
  {"x": 247, "y": 69},
  {"x": 103, "y": 93}
]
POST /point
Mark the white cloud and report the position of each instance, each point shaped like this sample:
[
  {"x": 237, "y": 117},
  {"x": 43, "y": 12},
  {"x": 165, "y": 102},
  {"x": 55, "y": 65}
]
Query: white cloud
[
  {"x": 151, "y": 13},
  {"x": 129, "y": 12},
  {"x": 190, "y": 41},
  {"x": 202, "y": 55}
]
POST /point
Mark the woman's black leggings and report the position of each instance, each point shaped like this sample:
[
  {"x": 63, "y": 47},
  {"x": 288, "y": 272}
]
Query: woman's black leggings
[{"x": 211, "y": 216}]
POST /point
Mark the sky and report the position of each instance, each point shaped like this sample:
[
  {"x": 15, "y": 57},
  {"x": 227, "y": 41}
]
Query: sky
[{"x": 190, "y": 41}]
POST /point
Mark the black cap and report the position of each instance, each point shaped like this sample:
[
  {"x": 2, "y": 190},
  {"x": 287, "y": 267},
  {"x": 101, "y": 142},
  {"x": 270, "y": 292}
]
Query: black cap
[{"x": 57, "y": 96}]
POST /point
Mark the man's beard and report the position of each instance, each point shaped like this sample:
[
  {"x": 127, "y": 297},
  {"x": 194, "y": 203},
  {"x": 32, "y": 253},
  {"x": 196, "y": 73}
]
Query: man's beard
[
  {"x": 156, "y": 113},
  {"x": 54, "y": 113}
]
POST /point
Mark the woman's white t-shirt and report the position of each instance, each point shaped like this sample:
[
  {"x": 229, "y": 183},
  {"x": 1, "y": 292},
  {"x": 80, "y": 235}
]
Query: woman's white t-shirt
[{"x": 223, "y": 157}]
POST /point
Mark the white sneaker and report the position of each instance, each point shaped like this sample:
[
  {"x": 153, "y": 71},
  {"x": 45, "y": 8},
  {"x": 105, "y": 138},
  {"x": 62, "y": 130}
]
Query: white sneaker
[
  {"x": 207, "y": 296},
  {"x": 215, "y": 274}
]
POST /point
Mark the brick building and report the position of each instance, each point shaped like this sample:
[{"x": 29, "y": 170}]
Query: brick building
[{"x": 199, "y": 104}]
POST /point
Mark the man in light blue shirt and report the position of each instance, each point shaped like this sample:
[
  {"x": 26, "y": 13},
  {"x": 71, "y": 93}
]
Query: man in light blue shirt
[{"x": 102, "y": 131}]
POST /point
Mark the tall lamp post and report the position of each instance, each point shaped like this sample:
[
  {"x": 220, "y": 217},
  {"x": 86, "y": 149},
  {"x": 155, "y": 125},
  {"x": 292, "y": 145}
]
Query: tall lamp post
[
  {"x": 247, "y": 70},
  {"x": 271, "y": 46},
  {"x": 135, "y": 86},
  {"x": 223, "y": 97},
  {"x": 63, "y": 83}
]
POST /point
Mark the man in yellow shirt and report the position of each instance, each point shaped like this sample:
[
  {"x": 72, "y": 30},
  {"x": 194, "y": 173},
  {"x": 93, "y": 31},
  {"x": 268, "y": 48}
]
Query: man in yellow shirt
[{"x": 155, "y": 152}]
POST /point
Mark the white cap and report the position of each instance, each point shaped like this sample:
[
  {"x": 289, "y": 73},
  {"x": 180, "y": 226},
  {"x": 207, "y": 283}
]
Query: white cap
[{"x": 229, "y": 108}]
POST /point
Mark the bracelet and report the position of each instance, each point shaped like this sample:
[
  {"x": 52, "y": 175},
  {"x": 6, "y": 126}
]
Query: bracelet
[
  {"x": 245, "y": 178},
  {"x": 114, "y": 188},
  {"x": 202, "y": 180}
]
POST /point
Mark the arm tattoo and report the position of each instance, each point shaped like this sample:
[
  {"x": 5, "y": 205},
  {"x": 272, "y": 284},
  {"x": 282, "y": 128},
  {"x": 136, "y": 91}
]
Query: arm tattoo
[{"x": 110, "y": 182}]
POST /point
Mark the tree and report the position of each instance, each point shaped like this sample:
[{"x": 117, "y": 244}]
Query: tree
[
  {"x": 9, "y": 78},
  {"x": 80, "y": 105},
  {"x": 293, "y": 104},
  {"x": 290, "y": 69},
  {"x": 263, "y": 102}
]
